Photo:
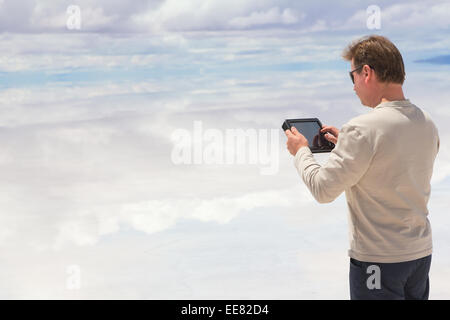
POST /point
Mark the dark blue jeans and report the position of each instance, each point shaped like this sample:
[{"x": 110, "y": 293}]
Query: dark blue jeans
[{"x": 390, "y": 281}]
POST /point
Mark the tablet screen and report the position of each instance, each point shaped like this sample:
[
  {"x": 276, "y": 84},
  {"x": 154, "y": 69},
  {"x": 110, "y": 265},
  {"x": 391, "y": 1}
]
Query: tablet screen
[{"x": 310, "y": 128}]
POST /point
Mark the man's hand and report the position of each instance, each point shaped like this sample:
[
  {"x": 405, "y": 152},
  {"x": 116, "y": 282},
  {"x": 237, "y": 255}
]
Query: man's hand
[
  {"x": 332, "y": 135},
  {"x": 295, "y": 140}
]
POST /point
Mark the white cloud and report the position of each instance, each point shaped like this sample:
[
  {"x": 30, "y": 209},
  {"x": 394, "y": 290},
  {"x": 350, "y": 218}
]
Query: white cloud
[
  {"x": 213, "y": 15},
  {"x": 400, "y": 17},
  {"x": 159, "y": 215},
  {"x": 48, "y": 17},
  {"x": 320, "y": 25},
  {"x": 27, "y": 96},
  {"x": 30, "y": 62},
  {"x": 209, "y": 15},
  {"x": 86, "y": 227},
  {"x": 271, "y": 16},
  {"x": 417, "y": 15}
]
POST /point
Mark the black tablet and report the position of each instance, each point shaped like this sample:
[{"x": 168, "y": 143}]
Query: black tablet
[{"x": 310, "y": 128}]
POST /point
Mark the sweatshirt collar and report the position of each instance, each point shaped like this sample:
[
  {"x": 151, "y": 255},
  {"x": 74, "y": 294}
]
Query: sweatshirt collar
[{"x": 396, "y": 103}]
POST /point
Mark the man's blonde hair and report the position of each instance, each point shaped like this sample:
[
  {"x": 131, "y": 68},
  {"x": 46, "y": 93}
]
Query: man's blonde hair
[{"x": 380, "y": 54}]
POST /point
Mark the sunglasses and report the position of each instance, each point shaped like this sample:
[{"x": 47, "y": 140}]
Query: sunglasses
[{"x": 351, "y": 72}]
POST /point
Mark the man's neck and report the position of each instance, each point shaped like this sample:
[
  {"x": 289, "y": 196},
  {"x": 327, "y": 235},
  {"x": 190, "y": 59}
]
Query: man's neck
[{"x": 392, "y": 92}]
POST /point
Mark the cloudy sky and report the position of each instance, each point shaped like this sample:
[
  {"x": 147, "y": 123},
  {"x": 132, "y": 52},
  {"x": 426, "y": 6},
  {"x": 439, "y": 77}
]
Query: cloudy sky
[{"x": 93, "y": 201}]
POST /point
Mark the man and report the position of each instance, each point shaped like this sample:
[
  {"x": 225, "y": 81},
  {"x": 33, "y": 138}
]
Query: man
[{"x": 383, "y": 160}]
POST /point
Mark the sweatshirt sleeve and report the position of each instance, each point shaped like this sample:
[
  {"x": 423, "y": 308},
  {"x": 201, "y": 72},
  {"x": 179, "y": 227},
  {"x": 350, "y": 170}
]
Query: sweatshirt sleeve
[{"x": 347, "y": 163}]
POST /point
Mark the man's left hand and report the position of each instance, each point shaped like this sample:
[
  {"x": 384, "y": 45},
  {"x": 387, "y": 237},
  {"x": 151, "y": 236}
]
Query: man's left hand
[{"x": 295, "y": 140}]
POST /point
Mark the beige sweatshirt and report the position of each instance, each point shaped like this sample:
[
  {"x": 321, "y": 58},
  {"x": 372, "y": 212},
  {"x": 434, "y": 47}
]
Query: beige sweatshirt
[{"x": 383, "y": 160}]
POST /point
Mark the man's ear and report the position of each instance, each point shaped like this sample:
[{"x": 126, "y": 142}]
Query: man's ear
[{"x": 366, "y": 69}]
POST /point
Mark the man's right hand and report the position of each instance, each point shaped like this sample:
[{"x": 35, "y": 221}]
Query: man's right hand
[{"x": 332, "y": 133}]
